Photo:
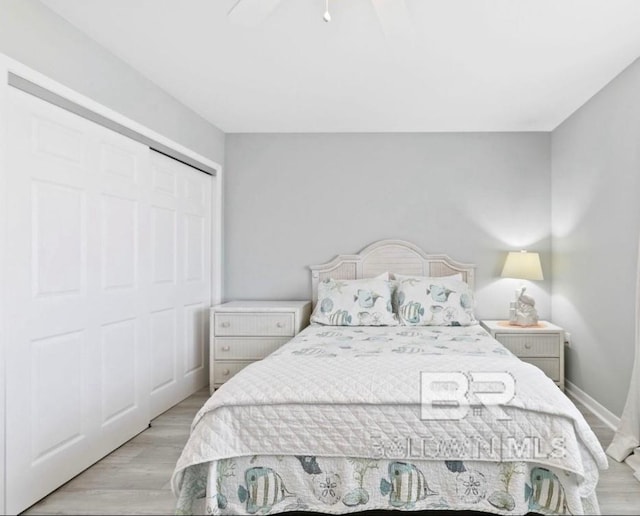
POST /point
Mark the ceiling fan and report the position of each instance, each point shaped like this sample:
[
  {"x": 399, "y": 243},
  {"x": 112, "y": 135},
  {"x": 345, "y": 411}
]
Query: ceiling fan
[{"x": 394, "y": 16}]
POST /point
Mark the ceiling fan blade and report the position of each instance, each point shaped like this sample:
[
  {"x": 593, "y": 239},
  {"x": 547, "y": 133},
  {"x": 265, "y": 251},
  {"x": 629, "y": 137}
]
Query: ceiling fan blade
[
  {"x": 395, "y": 20},
  {"x": 251, "y": 13}
]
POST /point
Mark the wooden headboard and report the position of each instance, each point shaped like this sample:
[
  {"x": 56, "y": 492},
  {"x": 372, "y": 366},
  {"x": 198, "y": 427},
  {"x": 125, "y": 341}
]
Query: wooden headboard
[{"x": 395, "y": 256}]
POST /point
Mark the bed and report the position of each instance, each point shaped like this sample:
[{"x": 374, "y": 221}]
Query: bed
[{"x": 346, "y": 418}]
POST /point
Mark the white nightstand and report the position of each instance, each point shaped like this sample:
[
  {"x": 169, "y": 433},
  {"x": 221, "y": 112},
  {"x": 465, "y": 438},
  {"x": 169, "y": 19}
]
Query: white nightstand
[
  {"x": 542, "y": 345},
  {"x": 245, "y": 331}
]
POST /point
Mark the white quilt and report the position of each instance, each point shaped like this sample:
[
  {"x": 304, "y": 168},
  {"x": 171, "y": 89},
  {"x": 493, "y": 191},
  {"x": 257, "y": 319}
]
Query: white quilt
[{"x": 356, "y": 392}]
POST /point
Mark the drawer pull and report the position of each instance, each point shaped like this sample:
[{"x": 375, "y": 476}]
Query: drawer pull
[
  {"x": 527, "y": 346},
  {"x": 226, "y": 324},
  {"x": 226, "y": 372},
  {"x": 226, "y": 348},
  {"x": 279, "y": 324}
]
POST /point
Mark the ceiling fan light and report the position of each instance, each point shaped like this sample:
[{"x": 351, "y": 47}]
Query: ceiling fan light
[{"x": 327, "y": 16}]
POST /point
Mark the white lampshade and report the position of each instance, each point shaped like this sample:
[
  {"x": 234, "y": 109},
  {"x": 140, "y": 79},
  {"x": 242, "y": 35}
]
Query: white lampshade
[{"x": 522, "y": 265}]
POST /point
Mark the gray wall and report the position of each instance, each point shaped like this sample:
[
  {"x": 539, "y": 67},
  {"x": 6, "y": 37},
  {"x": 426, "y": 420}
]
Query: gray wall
[
  {"x": 39, "y": 38},
  {"x": 299, "y": 199},
  {"x": 595, "y": 224}
]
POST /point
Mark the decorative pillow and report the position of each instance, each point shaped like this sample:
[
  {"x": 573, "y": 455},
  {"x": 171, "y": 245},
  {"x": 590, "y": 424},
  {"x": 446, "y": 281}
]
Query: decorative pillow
[
  {"x": 424, "y": 301},
  {"x": 365, "y": 302},
  {"x": 396, "y": 278}
]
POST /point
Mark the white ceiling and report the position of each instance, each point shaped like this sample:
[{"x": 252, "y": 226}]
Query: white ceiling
[{"x": 462, "y": 65}]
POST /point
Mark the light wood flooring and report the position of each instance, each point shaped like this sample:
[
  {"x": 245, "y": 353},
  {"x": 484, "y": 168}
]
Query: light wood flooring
[
  {"x": 134, "y": 479},
  {"x": 618, "y": 491}
]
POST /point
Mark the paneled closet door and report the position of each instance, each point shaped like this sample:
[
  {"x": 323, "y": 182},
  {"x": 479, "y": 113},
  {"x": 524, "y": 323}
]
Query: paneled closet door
[
  {"x": 180, "y": 280},
  {"x": 78, "y": 321}
]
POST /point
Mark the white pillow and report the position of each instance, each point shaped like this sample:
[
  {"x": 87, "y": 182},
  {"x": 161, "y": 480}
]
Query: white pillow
[
  {"x": 365, "y": 302},
  {"x": 425, "y": 301}
]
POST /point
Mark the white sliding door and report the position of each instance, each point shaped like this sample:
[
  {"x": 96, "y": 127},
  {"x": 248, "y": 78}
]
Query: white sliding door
[
  {"x": 180, "y": 280},
  {"x": 108, "y": 274},
  {"x": 77, "y": 325}
]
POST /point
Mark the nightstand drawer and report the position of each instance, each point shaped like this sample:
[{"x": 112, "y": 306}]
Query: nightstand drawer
[
  {"x": 243, "y": 332},
  {"x": 549, "y": 366},
  {"x": 268, "y": 324},
  {"x": 246, "y": 348},
  {"x": 541, "y": 345},
  {"x": 223, "y": 370},
  {"x": 532, "y": 345}
]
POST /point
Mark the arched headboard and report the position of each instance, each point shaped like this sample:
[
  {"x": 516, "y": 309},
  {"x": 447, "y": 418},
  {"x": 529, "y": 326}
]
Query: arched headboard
[{"x": 395, "y": 256}]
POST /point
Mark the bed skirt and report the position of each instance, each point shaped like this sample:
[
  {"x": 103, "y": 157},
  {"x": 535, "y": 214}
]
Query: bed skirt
[{"x": 332, "y": 485}]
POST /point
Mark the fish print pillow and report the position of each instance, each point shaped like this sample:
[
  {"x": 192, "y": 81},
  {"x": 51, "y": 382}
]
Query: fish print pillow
[
  {"x": 424, "y": 301},
  {"x": 365, "y": 302}
]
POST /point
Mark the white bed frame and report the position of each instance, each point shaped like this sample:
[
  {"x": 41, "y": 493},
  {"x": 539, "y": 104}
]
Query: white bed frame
[{"x": 396, "y": 256}]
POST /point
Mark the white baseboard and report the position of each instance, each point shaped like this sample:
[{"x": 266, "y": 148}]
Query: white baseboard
[{"x": 598, "y": 410}]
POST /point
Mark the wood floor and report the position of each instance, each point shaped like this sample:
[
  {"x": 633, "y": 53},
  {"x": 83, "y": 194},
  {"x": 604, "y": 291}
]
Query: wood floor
[
  {"x": 134, "y": 479},
  {"x": 618, "y": 490}
]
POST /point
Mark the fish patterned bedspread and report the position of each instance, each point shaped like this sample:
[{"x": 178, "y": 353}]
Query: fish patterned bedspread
[
  {"x": 356, "y": 393},
  {"x": 274, "y": 484}
]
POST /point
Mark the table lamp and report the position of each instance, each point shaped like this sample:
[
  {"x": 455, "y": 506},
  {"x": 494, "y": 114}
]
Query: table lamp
[{"x": 525, "y": 266}]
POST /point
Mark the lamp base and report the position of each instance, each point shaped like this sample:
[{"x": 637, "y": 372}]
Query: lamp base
[
  {"x": 522, "y": 312},
  {"x": 528, "y": 318},
  {"x": 508, "y": 324},
  {"x": 524, "y": 324}
]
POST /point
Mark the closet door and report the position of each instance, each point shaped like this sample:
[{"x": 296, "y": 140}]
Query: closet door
[
  {"x": 180, "y": 280},
  {"x": 77, "y": 379}
]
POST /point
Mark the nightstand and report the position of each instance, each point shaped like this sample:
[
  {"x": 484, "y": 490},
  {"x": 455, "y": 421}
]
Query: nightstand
[
  {"x": 542, "y": 345},
  {"x": 245, "y": 331}
]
